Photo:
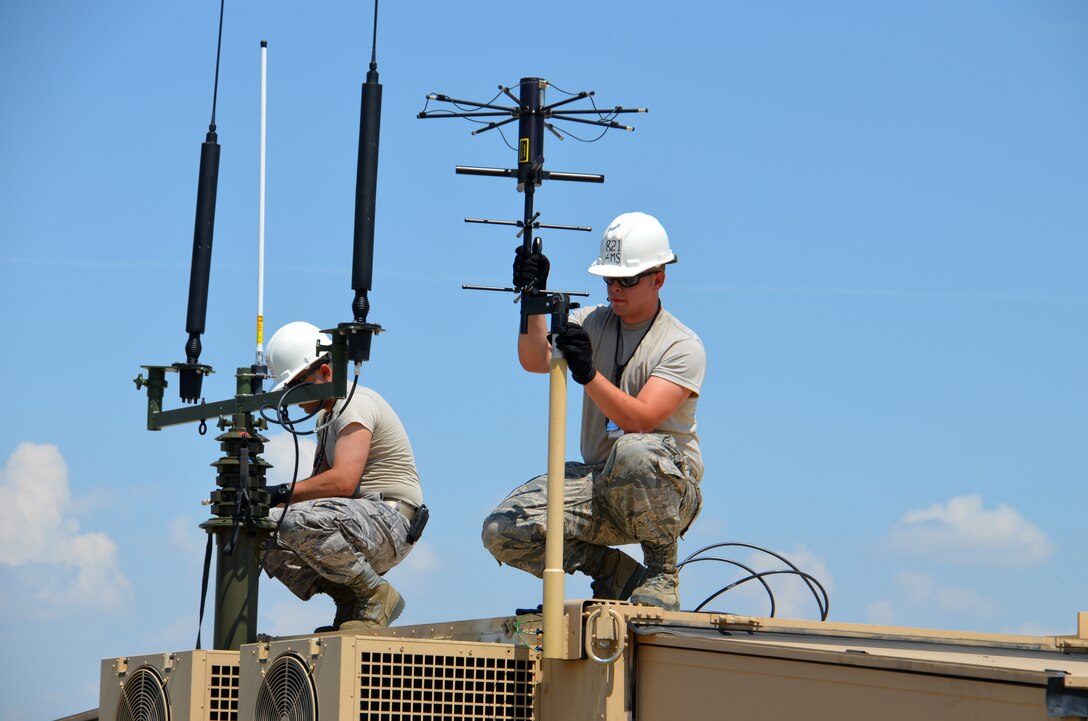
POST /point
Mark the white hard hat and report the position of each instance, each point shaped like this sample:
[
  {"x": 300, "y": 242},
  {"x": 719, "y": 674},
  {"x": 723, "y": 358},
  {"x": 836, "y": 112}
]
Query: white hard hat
[
  {"x": 632, "y": 243},
  {"x": 293, "y": 349}
]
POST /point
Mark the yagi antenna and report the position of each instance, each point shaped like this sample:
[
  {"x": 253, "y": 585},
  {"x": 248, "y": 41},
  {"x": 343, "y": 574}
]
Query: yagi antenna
[{"x": 534, "y": 115}]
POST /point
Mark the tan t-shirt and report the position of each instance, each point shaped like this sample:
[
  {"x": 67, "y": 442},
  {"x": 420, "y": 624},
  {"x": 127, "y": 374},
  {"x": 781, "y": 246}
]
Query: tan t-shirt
[
  {"x": 390, "y": 466},
  {"x": 669, "y": 350}
]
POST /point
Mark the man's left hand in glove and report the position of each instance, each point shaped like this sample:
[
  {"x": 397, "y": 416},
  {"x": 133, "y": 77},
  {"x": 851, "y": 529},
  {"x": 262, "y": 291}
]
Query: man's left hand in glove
[{"x": 576, "y": 347}]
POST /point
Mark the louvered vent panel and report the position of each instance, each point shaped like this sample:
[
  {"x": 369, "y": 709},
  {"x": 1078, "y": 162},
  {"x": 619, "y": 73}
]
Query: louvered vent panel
[{"x": 432, "y": 687}]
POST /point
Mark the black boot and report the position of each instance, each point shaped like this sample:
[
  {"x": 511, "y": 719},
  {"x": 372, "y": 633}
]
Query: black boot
[{"x": 615, "y": 574}]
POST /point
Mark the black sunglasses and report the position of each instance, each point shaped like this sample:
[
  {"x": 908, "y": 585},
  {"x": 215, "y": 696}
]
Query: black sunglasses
[{"x": 630, "y": 281}]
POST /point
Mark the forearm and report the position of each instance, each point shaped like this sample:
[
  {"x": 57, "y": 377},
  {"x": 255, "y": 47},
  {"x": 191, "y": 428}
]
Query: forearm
[
  {"x": 342, "y": 478},
  {"x": 327, "y": 484},
  {"x": 627, "y": 412},
  {"x": 534, "y": 351},
  {"x": 643, "y": 413}
]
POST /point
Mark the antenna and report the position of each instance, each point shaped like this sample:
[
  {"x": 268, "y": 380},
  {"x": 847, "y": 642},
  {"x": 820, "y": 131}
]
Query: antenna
[
  {"x": 359, "y": 332},
  {"x": 259, "y": 367},
  {"x": 192, "y": 372},
  {"x": 240, "y": 504},
  {"x": 533, "y": 116}
]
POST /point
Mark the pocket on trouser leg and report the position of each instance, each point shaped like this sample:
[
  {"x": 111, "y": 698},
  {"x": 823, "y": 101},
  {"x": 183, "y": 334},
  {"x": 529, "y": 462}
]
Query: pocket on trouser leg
[
  {"x": 649, "y": 506},
  {"x": 690, "y": 506}
]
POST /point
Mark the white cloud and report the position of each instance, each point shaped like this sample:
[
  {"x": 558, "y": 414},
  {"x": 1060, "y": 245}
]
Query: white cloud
[
  {"x": 37, "y": 526},
  {"x": 881, "y": 613},
  {"x": 423, "y": 560},
  {"x": 914, "y": 586},
  {"x": 962, "y": 531},
  {"x": 921, "y": 589},
  {"x": 35, "y": 482},
  {"x": 917, "y": 593},
  {"x": 280, "y": 452},
  {"x": 187, "y": 536}
]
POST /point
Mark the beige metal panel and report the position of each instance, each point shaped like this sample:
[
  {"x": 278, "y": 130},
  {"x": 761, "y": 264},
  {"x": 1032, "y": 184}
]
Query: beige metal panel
[
  {"x": 488, "y": 630},
  {"x": 586, "y": 691},
  {"x": 1024, "y": 665},
  {"x": 397, "y": 679},
  {"x": 868, "y": 631},
  {"x": 696, "y": 666},
  {"x": 683, "y": 683},
  {"x": 518, "y": 630},
  {"x": 196, "y": 685}
]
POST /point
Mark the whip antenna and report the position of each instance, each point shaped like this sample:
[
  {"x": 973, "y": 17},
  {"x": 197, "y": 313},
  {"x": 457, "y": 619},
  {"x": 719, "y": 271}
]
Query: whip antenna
[
  {"x": 259, "y": 366},
  {"x": 240, "y": 504},
  {"x": 360, "y": 332},
  {"x": 192, "y": 372}
]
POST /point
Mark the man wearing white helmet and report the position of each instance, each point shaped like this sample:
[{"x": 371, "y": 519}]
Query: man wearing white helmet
[
  {"x": 352, "y": 519},
  {"x": 641, "y": 371}
]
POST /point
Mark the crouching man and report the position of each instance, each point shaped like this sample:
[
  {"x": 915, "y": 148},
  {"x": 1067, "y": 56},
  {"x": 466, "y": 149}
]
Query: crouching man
[
  {"x": 352, "y": 519},
  {"x": 641, "y": 370}
]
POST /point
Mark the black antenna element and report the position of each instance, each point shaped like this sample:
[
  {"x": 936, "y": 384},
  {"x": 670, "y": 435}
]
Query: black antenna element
[
  {"x": 532, "y": 115},
  {"x": 366, "y": 187},
  {"x": 192, "y": 372}
]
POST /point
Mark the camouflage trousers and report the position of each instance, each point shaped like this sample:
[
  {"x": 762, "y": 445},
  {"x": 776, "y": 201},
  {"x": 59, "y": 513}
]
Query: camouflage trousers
[
  {"x": 329, "y": 543},
  {"x": 643, "y": 493}
]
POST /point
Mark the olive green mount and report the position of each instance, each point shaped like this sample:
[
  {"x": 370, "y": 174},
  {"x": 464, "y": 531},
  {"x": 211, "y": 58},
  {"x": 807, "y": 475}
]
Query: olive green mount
[{"x": 240, "y": 503}]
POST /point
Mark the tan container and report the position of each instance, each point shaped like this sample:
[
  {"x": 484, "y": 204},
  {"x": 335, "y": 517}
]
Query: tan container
[{"x": 185, "y": 685}]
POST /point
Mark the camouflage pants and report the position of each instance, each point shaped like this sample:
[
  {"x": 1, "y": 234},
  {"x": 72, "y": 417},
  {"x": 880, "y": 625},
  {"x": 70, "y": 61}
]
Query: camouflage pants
[
  {"x": 643, "y": 493},
  {"x": 333, "y": 542}
]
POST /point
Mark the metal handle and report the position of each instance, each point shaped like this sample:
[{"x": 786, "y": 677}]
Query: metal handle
[{"x": 617, "y": 623}]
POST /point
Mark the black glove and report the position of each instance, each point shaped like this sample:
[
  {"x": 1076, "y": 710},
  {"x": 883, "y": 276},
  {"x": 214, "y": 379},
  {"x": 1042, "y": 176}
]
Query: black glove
[
  {"x": 576, "y": 347},
  {"x": 531, "y": 267},
  {"x": 279, "y": 494}
]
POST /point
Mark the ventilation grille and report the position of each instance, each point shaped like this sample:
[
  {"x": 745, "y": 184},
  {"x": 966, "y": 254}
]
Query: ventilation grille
[
  {"x": 432, "y": 687},
  {"x": 223, "y": 692},
  {"x": 143, "y": 698},
  {"x": 286, "y": 693}
]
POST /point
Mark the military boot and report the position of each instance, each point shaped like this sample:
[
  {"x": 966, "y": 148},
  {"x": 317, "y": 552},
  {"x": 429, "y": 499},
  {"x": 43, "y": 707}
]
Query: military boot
[
  {"x": 615, "y": 574},
  {"x": 377, "y": 610},
  {"x": 662, "y": 585},
  {"x": 345, "y": 600}
]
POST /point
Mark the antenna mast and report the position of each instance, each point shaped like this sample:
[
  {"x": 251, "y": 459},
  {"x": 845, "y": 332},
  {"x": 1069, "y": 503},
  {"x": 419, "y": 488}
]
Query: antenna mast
[{"x": 534, "y": 116}]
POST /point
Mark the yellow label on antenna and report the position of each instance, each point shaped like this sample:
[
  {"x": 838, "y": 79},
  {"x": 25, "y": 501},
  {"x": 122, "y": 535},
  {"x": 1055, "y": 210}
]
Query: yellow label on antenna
[
  {"x": 523, "y": 150},
  {"x": 260, "y": 330}
]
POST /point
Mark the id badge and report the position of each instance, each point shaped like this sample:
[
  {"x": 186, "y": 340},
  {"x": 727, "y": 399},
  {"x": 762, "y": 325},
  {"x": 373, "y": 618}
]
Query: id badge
[{"x": 612, "y": 429}]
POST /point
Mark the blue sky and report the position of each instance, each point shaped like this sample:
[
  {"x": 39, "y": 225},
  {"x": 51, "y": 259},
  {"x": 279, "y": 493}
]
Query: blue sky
[{"x": 879, "y": 210}]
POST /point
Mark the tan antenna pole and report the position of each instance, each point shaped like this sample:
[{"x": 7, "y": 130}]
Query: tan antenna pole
[{"x": 554, "y": 628}]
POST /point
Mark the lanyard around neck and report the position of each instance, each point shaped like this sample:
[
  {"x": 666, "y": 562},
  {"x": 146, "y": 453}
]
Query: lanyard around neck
[{"x": 617, "y": 374}]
